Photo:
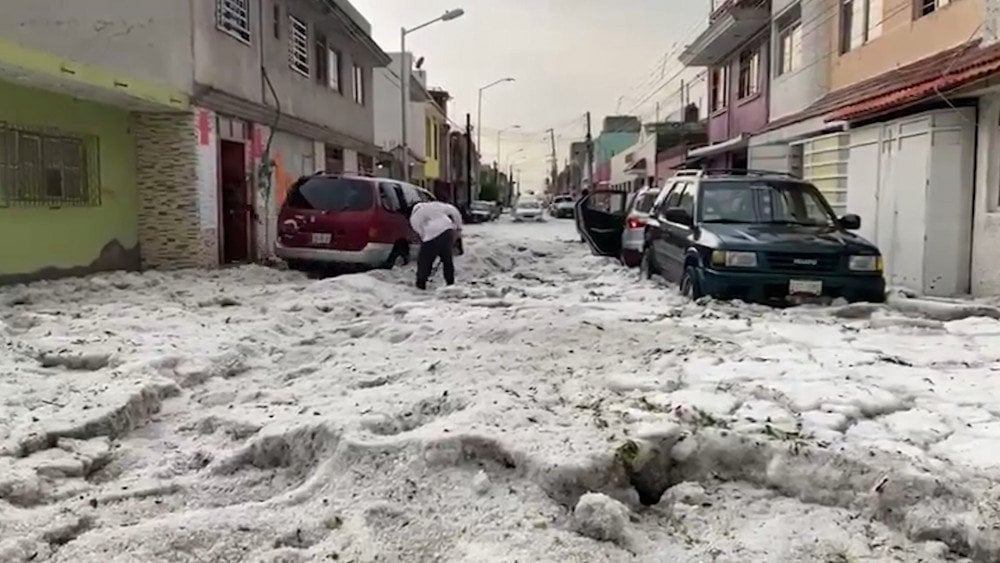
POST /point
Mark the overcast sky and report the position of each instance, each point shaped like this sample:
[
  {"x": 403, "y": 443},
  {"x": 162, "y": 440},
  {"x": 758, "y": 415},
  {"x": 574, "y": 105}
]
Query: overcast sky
[{"x": 567, "y": 56}]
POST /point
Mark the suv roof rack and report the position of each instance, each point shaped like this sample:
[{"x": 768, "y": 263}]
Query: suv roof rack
[{"x": 700, "y": 172}]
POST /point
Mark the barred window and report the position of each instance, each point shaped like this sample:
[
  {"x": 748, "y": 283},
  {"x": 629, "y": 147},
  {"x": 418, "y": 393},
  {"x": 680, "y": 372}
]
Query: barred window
[
  {"x": 47, "y": 169},
  {"x": 233, "y": 17},
  {"x": 298, "y": 45}
]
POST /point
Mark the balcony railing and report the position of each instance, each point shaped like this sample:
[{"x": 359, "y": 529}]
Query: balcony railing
[
  {"x": 720, "y": 7},
  {"x": 732, "y": 23}
]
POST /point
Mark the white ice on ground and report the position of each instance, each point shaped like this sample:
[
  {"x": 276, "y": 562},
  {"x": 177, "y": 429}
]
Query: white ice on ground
[{"x": 258, "y": 415}]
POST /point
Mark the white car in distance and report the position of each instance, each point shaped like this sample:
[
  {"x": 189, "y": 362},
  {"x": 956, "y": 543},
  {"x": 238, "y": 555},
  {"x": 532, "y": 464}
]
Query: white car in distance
[{"x": 528, "y": 210}]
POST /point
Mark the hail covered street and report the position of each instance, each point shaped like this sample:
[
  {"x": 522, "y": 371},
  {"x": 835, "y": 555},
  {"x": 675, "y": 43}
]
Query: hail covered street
[{"x": 549, "y": 407}]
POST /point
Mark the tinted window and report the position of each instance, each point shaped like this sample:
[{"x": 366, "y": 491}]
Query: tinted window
[
  {"x": 481, "y": 205},
  {"x": 331, "y": 194},
  {"x": 672, "y": 198},
  {"x": 644, "y": 202},
  {"x": 410, "y": 195},
  {"x": 388, "y": 195},
  {"x": 531, "y": 204},
  {"x": 764, "y": 201},
  {"x": 686, "y": 200},
  {"x": 563, "y": 199},
  {"x": 425, "y": 195}
]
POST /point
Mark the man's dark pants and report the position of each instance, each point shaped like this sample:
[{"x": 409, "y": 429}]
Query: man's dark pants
[{"x": 438, "y": 247}]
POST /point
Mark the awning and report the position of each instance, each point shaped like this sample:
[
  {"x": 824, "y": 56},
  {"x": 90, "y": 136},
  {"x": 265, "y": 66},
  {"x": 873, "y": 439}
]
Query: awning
[
  {"x": 719, "y": 148},
  {"x": 795, "y": 131},
  {"x": 933, "y": 79}
]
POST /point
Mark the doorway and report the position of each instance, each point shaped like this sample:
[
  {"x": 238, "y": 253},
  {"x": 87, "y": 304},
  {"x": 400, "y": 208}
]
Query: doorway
[{"x": 237, "y": 207}]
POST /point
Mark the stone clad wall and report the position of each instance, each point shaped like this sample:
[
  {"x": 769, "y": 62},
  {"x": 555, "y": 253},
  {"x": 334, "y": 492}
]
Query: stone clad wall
[{"x": 170, "y": 232}]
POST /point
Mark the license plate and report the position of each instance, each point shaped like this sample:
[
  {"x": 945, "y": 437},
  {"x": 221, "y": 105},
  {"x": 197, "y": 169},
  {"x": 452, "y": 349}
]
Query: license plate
[
  {"x": 321, "y": 238},
  {"x": 805, "y": 287}
]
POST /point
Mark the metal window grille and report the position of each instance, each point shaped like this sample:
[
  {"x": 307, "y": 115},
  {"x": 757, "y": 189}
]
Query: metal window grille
[
  {"x": 298, "y": 46},
  {"x": 233, "y": 17},
  {"x": 40, "y": 168}
]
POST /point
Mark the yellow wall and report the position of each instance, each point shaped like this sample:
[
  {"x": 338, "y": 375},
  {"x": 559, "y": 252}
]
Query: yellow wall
[
  {"x": 38, "y": 239},
  {"x": 904, "y": 39},
  {"x": 434, "y": 124}
]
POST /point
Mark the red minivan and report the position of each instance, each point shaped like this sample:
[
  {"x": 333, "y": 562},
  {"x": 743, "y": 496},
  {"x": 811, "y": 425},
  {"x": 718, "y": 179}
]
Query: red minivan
[{"x": 341, "y": 219}]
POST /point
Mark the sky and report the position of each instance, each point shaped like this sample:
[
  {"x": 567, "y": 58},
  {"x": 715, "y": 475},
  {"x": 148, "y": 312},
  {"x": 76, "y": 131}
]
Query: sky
[{"x": 567, "y": 57}]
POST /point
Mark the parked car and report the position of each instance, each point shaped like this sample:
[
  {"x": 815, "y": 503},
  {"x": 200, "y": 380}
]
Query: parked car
[
  {"x": 563, "y": 206},
  {"x": 527, "y": 209},
  {"x": 634, "y": 232},
  {"x": 346, "y": 220},
  {"x": 757, "y": 236},
  {"x": 481, "y": 211}
]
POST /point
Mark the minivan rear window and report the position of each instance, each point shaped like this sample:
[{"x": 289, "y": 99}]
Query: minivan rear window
[{"x": 332, "y": 194}]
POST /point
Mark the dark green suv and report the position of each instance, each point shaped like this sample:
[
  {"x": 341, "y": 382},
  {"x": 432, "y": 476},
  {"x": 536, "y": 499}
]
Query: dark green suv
[{"x": 758, "y": 236}]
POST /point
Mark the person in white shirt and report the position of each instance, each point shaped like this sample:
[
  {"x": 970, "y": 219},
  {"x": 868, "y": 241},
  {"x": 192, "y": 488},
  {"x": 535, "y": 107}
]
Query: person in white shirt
[{"x": 437, "y": 223}]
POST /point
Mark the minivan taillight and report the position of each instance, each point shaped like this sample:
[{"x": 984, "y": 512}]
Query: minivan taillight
[{"x": 635, "y": 223}]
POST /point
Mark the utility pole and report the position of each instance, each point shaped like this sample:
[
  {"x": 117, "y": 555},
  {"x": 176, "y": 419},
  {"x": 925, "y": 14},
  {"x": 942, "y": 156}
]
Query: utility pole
[
  {"x": 590, "y": 156},
  {"x": 468, "y": 161},
  {"x": 555, "y": 160}
]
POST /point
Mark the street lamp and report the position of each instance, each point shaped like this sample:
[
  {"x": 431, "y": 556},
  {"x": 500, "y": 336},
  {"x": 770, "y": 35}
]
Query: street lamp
[
  {"x": 479, "y": 110},
  {"x": 501, "y": 132},
  {"x": 404, "y": 77}
]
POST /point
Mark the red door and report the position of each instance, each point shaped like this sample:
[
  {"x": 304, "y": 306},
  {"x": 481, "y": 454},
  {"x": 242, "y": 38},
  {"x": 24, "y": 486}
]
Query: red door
[{"x": 237, "y": 210}]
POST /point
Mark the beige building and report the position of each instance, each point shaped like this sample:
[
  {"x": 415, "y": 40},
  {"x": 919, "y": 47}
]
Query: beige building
[{"x": 912, "y": 137}]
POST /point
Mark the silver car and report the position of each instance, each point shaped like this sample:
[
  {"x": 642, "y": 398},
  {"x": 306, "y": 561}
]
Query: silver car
[
  {"x": 528, "y": 210},
  {"x": 634, "y": 233}
]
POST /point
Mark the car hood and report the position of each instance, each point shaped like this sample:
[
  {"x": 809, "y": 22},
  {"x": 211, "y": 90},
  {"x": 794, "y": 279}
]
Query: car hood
[{"x": 790, "y": 238}]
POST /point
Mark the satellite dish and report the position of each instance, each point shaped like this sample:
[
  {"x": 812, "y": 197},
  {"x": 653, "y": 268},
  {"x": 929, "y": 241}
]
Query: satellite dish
[{"x": 420, "y": 63}]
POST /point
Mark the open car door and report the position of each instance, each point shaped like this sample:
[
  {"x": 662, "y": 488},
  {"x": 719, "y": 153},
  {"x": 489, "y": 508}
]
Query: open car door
[{"x": 600, "y": 219}]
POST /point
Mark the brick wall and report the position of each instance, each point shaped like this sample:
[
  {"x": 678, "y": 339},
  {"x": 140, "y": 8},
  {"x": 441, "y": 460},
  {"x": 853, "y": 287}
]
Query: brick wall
[{"x": 171, "y": 234}]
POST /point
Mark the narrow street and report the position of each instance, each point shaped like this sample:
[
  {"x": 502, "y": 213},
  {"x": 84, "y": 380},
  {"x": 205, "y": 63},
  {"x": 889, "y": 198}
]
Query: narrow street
[{"x": 253, "y": 414}]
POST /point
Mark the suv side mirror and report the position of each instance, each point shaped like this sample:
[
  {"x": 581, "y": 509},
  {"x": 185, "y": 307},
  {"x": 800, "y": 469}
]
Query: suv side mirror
[
  {"x": 678, "y": 215},
  {"x": 850, "y": 222}
]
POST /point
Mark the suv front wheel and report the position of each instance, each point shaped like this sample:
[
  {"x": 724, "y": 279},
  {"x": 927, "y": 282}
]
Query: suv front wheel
[{"x": 689, "y": 285}]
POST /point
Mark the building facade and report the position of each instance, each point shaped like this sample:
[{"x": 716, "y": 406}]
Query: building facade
[
  {"x": 894, "y": 117},
  {"x": 735, "y": 49},
  {"x": 167, "y": 135}
]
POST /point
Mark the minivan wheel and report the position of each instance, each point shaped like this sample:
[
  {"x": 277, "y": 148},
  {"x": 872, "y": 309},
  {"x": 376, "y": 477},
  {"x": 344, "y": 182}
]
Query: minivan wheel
[{"x": 689, "y": 284}]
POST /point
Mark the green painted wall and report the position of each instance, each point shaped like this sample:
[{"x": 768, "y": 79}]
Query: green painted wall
[{"x": 53, "y": 242}]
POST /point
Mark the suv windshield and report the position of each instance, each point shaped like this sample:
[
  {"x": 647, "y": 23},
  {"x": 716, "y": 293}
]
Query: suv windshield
[
  {"x": 763, "y": 201},
  {"x": 331, "y": 194},
  {"x": 529, "y": 204},
  {"x": 563, "y": 199}
]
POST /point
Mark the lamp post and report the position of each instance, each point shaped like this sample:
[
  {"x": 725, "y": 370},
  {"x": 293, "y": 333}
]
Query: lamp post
[
  {"x": 404, "y": 78},
  {"x": 479, "y": 110}
]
